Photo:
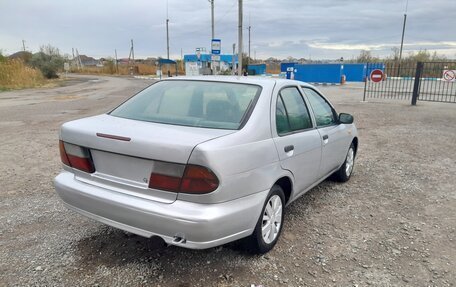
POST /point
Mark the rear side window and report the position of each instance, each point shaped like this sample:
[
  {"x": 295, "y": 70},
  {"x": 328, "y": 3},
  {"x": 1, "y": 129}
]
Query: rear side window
[
  {"x": 324, "y": 113},
  {"x": 291, "y": 112},
  {"x": 192, "y": 103}
]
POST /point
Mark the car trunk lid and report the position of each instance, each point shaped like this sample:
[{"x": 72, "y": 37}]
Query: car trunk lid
[{"x": 125, "y": 152}]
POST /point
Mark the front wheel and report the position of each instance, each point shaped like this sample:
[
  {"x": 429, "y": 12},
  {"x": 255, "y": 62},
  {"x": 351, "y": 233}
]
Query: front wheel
[
  {"x": 346, "y": 170},
  {"x": 269, "y": 225}
]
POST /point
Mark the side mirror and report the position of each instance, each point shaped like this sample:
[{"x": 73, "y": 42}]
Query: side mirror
[{"x": 345, "y": 118}]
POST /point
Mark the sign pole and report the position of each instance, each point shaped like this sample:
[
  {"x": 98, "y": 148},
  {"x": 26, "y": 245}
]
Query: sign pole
[
  {"x": 234, "y": 62},
  {"x": 365, "y": 83}
]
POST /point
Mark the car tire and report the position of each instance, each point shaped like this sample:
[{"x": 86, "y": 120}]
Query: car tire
[
  {"x": 345, "y": 171},
  {"x": 262, "y": 241}
]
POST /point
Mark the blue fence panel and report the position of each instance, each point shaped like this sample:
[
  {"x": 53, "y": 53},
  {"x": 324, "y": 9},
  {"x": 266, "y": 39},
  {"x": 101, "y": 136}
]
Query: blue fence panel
[
  {"x": 355, "y": 72},
  {"x": 374, "y": 66},
  {"x": 319, "y": 73}
]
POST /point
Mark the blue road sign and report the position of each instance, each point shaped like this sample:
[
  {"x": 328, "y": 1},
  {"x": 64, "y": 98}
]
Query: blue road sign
[{"x": 216, "y": 46}]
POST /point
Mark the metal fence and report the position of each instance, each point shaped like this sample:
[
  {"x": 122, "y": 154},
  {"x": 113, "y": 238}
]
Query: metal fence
[{"x": 422, "y": 81}]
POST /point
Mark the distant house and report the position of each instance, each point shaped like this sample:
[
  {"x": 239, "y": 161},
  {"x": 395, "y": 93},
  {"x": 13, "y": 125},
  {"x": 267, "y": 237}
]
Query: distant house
[
  {"x": 123, "y": 61},
  {"x": 151, "y": 61},
  {"x": 23, "y": 55},
  {"x": 88, "y": 61}
]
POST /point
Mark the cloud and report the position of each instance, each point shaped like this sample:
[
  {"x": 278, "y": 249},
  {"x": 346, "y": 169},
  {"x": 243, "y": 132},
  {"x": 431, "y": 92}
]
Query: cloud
[{"x": 316, "y": 28}]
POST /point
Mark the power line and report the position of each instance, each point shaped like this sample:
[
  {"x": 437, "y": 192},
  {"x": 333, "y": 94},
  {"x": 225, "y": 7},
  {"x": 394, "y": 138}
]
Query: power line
[{"x": 226, "y": 13}]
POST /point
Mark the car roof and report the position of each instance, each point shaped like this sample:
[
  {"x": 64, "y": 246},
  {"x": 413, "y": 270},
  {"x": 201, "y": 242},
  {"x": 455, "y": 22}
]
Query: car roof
[{"x": 261, "y": 81}]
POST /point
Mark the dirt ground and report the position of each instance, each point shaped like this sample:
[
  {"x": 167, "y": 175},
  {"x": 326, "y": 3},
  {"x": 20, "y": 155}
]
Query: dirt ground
[{"x": 392, "y": 224}]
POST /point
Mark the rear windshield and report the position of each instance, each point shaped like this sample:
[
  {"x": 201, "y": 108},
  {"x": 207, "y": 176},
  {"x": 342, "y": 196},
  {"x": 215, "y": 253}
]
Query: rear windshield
[{"x": 192, "y": 103}]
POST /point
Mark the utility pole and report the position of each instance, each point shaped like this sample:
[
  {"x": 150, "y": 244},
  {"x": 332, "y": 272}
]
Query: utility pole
[
  {"x": 132, "y": 51},
  {"x": 167, "y": 31},
  {"x": 240, "y": 39},
  {"x": 79, "y": 62},
  {"x": 131, "y": 57},
  {"x": 249, "y": 28},
  {"x": 402, "y": 40},
  {"x": 23, "y": 45},
  {"x": 248, "y": 60},
  {"x": 167, "y": 38},
  {"x": 117, "y": 68},
  {"x": 212, "y": 18},
  {"x": 72, "y": 51},
  {"x": 213, "y": 35}
]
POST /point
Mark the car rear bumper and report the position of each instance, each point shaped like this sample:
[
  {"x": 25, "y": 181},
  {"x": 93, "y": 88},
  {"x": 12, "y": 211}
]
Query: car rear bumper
[{"x": 186, "y": 224}]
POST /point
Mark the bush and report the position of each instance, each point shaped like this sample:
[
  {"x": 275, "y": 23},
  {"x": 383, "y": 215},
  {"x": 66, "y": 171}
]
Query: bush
[
  {"x": 2, "y": 58},
  {"x": 48, "y": 61}
]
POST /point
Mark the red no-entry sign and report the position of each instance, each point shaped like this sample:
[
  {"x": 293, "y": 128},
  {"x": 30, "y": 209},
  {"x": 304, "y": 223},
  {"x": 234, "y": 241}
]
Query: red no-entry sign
[
  {"x": 376, "y": 75},
  {"x": 449, "y": 75}
]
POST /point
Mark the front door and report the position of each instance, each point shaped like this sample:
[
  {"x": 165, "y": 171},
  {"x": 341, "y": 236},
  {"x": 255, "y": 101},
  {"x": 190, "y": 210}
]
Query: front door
[
  {"x": 297, "y": 141},
  {"x": 333, "y": 135}
]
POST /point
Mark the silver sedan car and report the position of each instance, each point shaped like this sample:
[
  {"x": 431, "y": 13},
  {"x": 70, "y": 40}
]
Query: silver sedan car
[{"x": 204, "y": 161}]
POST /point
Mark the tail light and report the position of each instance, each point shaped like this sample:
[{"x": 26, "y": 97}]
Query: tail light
[
  {"x": 166, "y": 176},
  {"x": 193, "y": 179},
  {"x": 76, "y": 157},
  {"x": 198, "y": 179}
]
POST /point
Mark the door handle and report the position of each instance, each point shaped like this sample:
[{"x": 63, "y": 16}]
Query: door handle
[
  {"x": 325, "y": 137},
  {"x": 288, "y": 148}
]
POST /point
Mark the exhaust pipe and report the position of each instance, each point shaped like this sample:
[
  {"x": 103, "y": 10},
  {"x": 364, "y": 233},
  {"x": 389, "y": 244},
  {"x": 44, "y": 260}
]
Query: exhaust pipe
[{"x": 179, "y": 238}]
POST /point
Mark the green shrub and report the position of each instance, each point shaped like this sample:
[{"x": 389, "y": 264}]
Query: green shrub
[
  {"x": 2, "y": 58},
  {"x": 48, "y": 61}
]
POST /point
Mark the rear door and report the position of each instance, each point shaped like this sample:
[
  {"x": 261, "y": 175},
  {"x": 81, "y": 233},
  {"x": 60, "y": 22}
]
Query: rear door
[
  {"x": 333, "y": 135},
  {"x": 297, "y": 141}
]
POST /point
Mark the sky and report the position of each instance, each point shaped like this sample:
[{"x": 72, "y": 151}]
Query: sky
[{"x": 316, "y": 29}]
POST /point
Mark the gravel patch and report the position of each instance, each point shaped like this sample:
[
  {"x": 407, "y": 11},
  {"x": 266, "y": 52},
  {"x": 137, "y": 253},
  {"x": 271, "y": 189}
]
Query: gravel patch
[{"x": 392, "y": 224}]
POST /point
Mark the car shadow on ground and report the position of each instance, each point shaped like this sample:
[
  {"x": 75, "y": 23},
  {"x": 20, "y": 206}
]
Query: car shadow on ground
[{"x": 111, "y": 247}]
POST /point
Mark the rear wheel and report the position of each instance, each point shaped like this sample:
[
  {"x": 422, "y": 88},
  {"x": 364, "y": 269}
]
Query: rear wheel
[
  {"x": 346, "y": 170},
  {"x": 269, "y": 225}
]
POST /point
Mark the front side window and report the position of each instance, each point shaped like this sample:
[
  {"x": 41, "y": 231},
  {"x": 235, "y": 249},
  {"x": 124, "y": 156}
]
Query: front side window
[
  {"x": 291, "y": 112},
  {"x": 324, "y": 113},
  {"x": 192, "y": 103}
]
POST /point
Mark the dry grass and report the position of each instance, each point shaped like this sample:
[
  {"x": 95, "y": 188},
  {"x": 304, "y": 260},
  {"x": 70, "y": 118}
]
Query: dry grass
[
  {"x": 14, "y": 74},
  {"x": 272, "y": 71},
  {"x": 142, "y": 69}
]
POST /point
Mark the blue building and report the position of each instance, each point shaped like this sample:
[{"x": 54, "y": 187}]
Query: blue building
[
  {"x": 256, "y": 69},
  {"x": 319, "y": 73}
]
